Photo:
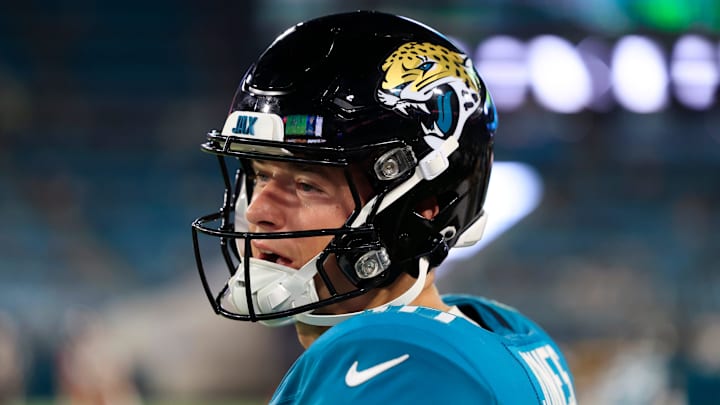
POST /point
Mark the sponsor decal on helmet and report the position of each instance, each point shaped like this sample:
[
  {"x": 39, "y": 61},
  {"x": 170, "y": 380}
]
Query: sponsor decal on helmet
[
  {"x": 272, "y": 127},
  {"x": 247, "y": 124},
  {"x": 303, "y": 128}
]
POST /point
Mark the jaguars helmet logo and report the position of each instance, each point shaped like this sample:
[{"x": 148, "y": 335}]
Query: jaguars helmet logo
[{"x": 431, "y": 81}]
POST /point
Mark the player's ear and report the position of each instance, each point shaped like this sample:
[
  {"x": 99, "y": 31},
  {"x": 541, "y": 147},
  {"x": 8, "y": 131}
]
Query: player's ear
[{"x": 428, "y": 207}]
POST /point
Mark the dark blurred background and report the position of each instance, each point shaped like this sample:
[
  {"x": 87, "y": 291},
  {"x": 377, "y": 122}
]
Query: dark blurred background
[{"x": 103, "y": 106}]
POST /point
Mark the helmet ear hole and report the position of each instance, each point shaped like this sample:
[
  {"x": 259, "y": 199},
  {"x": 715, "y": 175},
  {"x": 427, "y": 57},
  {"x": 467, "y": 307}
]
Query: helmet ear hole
[{"x": 428, "y": 208}]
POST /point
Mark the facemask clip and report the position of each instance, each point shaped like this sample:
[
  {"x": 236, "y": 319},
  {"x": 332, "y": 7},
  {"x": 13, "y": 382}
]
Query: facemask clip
[{"x": 372, "y": 263}]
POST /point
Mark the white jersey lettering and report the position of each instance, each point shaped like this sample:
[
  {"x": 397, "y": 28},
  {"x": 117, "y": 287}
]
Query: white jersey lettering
[{"x": 554, "y": 381}]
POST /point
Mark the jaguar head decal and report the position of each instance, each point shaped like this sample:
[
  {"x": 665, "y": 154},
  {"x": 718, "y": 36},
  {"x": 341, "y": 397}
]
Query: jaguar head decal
[{"x": 432, "y": 82}]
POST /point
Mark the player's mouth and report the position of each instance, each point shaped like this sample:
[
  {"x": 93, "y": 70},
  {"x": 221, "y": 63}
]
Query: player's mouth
[{"x": 272, "y": 256}]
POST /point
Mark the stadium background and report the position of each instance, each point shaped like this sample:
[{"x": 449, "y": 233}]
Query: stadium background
[{"x": 103, "y": 106}]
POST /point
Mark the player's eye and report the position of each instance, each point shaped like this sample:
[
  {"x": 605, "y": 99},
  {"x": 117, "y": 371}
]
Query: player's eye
[
  {"x": 307, "y": 187},
  {"x": 260, "y": 177}
]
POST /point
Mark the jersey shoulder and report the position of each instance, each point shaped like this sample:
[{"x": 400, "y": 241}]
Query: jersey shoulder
[
  {"x": 378, "y": 356},
  {"x": 497, "y": 317},
  {"x": 420, "y": 354},
  {"x": 526, "y": 341}
]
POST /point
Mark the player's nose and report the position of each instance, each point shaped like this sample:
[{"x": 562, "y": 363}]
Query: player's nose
[{"x": 267, "y": 209}]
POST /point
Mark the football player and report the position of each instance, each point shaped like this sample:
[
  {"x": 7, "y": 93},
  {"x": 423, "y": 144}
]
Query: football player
[{"x": 356, "y": 153}]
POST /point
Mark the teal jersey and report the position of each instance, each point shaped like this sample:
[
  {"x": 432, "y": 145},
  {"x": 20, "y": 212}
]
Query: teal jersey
[{"x": 418, "y": 355}]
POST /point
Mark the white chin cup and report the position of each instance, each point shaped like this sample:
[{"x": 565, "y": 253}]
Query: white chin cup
[
  {"x": 275, "y": 288},
  {"x": 405, "y": 298}
]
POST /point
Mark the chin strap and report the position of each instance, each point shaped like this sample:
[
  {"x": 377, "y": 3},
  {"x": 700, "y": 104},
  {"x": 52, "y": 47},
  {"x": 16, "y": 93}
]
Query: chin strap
[{"x": 404, "y": 299}]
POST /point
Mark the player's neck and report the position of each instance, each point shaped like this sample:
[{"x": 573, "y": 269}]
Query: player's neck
[
  {"x": 428, "y": 297},
  {"x": 308, "y": 334}
]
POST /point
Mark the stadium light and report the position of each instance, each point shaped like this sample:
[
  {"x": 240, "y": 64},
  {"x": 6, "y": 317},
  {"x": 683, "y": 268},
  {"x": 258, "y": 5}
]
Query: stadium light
[
  {"x": 694, "y": 72},
  {"x": 558, "y": 76},
  {"x": 501, "y": 61},
  {"x": 634, "y": 72},
  {"x": 639, "y": 75}
]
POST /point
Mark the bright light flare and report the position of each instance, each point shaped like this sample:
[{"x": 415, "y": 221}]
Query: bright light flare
[
  {"x": 559, "y": 78},
  {"x": 515, "y": 190},
  {"x": 501, "y": 62},
  {"x": 694, "y": 72},
  {"x": 639, "y": 75}
]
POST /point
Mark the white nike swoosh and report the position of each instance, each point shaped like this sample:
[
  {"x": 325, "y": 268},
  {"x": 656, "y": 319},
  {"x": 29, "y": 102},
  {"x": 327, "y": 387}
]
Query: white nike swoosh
[{"x": 353, "y": 378}]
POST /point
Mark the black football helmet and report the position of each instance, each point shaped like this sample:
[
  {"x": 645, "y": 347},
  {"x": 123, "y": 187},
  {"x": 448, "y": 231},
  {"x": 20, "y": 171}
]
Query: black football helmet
[{"x": 367, "y": 90}]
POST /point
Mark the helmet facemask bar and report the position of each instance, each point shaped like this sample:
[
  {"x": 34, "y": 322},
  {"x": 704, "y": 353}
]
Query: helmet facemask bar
[
  {"x": 226, "y": 225},
  {"x": 235, "y": 247}
]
